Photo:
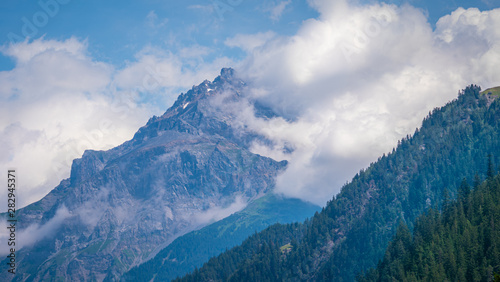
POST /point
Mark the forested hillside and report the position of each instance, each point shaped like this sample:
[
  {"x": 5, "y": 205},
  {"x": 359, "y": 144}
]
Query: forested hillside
[
  {"x": 351, "y": 233},
  {"x": 460, "y": 244}
]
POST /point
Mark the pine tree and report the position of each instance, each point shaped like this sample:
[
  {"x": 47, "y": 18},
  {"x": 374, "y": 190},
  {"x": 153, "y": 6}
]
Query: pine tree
[{"x": 491, "y": 168}]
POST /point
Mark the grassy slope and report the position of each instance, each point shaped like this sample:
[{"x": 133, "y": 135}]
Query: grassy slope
[{"x": 495, "y": 91}]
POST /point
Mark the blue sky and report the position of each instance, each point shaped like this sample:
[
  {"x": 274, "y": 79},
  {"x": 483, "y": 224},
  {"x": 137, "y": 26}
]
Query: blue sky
[
  {"x": 116, "y": 30},
  {"x": 355, "y": 76}
]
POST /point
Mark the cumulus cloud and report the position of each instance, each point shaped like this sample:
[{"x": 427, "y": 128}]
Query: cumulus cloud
[
  {"x": 353, "y": 81},
  {"x": 49, "y": 103},
  {"x": 58, "y": 101}
]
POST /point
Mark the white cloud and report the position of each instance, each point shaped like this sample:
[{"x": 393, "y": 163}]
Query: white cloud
[
  {"x": 156, "y": 68},
  {"x": 217, "y": 213},
  {"x": 249, "y": 42},
  {"x": 277, "y": 10},
  {"x": 89, "y": 213},
  {"x": 154, "y": 22},
  {"x": 35, "y": 232},
  {"x": 204, "y": 8},
  {"x": 358, "y": 78},
  {"x": 58, "y": 101},
  {"x": 50, "y": 101},
  {"x": 25, "y": 51}
]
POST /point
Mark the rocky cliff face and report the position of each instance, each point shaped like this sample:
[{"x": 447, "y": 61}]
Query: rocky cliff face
[{"x": 181, "y": 171}]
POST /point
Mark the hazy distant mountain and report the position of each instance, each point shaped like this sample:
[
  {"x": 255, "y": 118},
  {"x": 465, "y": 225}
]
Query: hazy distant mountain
[{"x": 181, "y": 171}]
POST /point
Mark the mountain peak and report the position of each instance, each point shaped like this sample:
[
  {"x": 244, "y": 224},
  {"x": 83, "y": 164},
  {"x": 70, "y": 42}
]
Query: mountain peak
[
  {"x": 226, "y": 73},
  {"x": 195, "y": 112},
  {"x": 206, "y": 88}
]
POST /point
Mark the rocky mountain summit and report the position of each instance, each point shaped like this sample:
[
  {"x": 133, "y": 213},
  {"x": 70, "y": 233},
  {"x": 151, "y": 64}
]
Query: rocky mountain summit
[{"x": 180, "y": 172}]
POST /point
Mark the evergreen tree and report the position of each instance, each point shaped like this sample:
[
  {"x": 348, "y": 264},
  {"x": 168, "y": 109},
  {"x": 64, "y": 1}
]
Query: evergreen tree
[{"x": 491, "y": 168}]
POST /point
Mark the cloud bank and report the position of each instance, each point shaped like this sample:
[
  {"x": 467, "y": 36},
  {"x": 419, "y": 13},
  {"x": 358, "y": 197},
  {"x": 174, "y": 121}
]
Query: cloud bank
[{"x": 352, "y": 82}]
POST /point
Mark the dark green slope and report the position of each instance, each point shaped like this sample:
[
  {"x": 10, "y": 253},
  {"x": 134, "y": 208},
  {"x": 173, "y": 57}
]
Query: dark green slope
[
  {"x": 195, "y": 248},
  {"x": 351, "y": 233},
  {"x": 460, "y": 244}
]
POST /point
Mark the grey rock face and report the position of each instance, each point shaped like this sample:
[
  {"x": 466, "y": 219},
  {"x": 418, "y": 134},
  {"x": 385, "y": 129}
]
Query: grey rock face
[{"x": 181, "y": 171}]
